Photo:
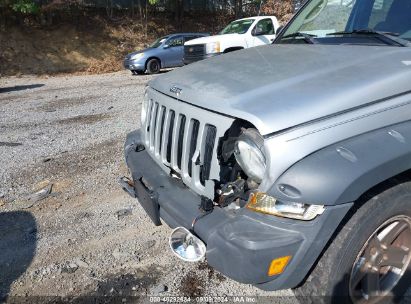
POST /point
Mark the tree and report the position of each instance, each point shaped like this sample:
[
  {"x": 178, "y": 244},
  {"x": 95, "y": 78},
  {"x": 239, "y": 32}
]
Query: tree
[
  {"x": 283, "y": 9},
  {"x": 23, "y": 6}
]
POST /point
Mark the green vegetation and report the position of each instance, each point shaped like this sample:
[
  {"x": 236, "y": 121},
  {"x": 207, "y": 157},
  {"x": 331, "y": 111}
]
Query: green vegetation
[{"x": 21, "y": 6}]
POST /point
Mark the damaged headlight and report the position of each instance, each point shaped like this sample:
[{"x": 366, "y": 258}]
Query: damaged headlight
[
  {"x": 264, "y": 203},
  {"x": 249, "y": 153}
]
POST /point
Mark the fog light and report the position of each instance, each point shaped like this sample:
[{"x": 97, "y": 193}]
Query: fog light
[
  {"x": 186, "y": 245},
  {"x": 277, "y": 266}
]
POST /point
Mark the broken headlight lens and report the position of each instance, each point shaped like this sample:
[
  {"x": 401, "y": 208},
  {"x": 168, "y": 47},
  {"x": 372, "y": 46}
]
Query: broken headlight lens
[
  {"x": 249, "y": 153},
  {"x": 261, "y": 202}
]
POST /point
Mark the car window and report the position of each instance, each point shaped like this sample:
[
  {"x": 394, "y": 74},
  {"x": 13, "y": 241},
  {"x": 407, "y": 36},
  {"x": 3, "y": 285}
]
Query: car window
[
  {"x": 265, "y": 26},
  {"x": 327, "y": 17},
  {"x": 379, "y": 12},
  {"x": 238, "y": 27},
  {"x": 176, "y": 41},
  {"x": 158, "y": 42},
  {"x": 390, "y": 15},
  {"x": 322, "y": 17}
]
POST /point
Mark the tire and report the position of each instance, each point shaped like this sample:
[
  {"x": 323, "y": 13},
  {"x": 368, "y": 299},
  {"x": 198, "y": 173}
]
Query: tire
[
  {"x": 333, "y": 278},
  {"x": 137, "y": 72},
  {"x": 153, "y": 66}
]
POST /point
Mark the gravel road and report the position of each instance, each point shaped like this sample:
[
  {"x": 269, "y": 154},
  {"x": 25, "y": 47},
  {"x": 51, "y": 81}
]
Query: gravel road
[{"x": 88, "y": 238}]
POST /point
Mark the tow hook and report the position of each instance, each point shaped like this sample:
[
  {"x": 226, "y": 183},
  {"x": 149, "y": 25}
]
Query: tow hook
[{"x": 127, "y": 185}]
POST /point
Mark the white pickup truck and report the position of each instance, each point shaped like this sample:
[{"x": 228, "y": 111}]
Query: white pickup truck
[{"x": 239, "y": 34}]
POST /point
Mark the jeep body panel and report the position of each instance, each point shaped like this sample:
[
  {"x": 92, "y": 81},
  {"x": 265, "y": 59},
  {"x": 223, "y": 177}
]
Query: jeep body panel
[
  {"x": 327, "y": 80},
  {"x": 343, "y": 171},
  {"x": 330, "y": 122}
]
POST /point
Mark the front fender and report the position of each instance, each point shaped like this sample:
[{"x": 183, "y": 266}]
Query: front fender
[
  {"x": 343, "y": 171},
  {"x": 231, "y": 43}
]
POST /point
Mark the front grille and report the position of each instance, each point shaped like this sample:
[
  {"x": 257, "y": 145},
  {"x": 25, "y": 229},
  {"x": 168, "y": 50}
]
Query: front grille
[
  {"x": 184, "y": 143},
  {"x": 176, "y": 141},
  {"x": 194, "y": 51}
]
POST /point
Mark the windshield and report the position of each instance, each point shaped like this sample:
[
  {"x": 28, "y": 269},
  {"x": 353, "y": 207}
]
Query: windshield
[
  {"x": 237, "y": 27},
  {"x": 321, "y": 18},
  {"x": 158, "y": 42}
]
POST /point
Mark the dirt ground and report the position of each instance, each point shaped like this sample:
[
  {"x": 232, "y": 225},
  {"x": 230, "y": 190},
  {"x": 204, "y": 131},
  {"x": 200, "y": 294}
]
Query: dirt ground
[{"x": 87, "y": 238}]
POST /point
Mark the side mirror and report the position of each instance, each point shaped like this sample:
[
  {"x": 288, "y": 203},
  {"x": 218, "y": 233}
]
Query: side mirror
[
  {"x": 279, "y": 29},
  {"x": 166, "y": 46},
  {"x": 259, "y": 32}
]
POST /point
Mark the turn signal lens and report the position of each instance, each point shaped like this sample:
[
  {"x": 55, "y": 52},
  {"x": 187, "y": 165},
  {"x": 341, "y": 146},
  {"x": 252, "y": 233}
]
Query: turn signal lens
[
  {"x": 261, "y": 202},
  {"x": 277, "y": 266}
]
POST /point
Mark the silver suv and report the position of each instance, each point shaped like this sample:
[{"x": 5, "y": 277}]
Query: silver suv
[{"x": 289, "y": 165}]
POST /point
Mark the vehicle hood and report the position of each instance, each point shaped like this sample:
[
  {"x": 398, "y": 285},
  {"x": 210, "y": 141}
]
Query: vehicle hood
[
  {"x": 208, "y": 39},
  {"x": 141, "y": 51},
  {"x": 279, "y": 86}
]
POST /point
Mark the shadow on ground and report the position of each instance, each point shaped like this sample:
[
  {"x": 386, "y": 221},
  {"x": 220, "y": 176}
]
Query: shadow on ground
[
  {"x": 18, "y": 234},
  {"x": 21, "y": 88}
]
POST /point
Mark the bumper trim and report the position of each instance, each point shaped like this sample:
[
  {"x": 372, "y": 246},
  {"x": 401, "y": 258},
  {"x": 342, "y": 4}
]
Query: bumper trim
[
  {"x": 133, "y": 65},
  {"x": 190, "y": 59}
]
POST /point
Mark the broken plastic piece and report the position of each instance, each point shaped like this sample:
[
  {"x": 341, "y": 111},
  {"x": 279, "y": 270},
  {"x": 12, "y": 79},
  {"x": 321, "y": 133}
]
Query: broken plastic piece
[
  {"x": 41, "y": 194},
  {"x": 127, "y": 185}
]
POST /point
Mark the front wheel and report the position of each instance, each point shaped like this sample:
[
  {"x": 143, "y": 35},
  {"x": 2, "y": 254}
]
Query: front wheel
[
  {"x": 369, "y": 260},
  {"x": 137, "y": 72},
  {"x": 153, "y": 66}
]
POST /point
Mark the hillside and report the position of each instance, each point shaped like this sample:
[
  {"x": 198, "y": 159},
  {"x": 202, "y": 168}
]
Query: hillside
[{"x": 94, "y": 46}]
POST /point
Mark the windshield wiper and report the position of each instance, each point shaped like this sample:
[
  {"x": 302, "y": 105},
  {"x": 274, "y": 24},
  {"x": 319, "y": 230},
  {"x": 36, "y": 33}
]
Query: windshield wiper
[
  {"x": 387, "y": 37},
  {"x": 307, "y": 37}
]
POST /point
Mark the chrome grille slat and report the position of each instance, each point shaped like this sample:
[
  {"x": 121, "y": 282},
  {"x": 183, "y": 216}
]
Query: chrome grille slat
[
  {"x": 158, "y": 129},
  {"x": 152, "y": 125},
  {"x": 174, "y": 148},
  {"x": 165, "y": 122},
  {"x": 199, "y": 152},
  {"x": 170, "y": 135},
  {"x": 188, "y": 130},
  {"x": 147, "y": 122},
  {"x": 164, "y": 142}
]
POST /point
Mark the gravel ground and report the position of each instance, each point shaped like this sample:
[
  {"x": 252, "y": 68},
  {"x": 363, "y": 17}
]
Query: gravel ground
[{"x": 88, "y": 238}]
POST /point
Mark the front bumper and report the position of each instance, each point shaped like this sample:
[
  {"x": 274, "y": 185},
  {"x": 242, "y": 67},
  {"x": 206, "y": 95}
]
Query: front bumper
[
  {"x": 240, "y": 244},
  {"x": 134, "y": 65},
  {"x": 193, "y": 58}
]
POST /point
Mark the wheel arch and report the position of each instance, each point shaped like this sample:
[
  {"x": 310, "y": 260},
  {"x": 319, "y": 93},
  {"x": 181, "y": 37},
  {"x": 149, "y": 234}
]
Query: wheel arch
[
  {"x": 344, "y": 171},
  {"x": 232, "y": 49},
  {"x": 154, "y": 57},
  {"x": 362, "y": 199},
  {"x": 366, "y": 166}
]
